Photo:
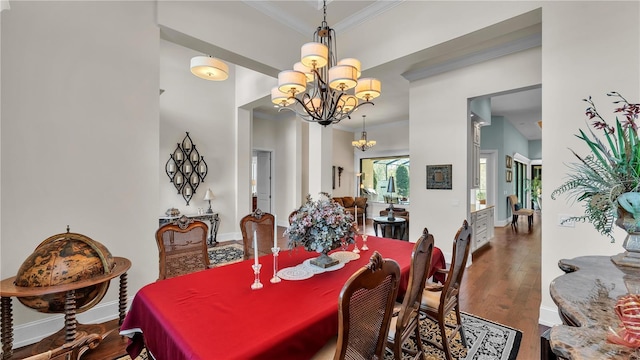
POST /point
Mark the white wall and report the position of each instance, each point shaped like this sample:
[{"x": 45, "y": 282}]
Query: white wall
[
  {"x": 200, "y": 107},
  {"x": 343, "y": 157},
  {"x": 440, "y": 134},
  {"x": 581, "y": 58},
  {"x": 79, "y": 135}
]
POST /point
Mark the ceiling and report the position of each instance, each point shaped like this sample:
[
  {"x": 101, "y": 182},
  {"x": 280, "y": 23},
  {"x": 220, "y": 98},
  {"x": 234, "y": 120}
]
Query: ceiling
[{"x": 522, "y": 109}]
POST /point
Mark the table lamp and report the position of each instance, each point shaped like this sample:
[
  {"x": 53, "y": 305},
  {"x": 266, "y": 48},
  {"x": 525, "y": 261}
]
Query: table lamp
[
  {"x": 209, "y": 196},
  {"x": 391, "y": 188}
]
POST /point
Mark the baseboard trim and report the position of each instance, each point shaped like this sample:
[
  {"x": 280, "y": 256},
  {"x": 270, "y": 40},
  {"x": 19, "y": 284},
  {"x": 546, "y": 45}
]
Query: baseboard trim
[
  {"x": 549, "y": 316},
  {"x": 32, "y": 332}
]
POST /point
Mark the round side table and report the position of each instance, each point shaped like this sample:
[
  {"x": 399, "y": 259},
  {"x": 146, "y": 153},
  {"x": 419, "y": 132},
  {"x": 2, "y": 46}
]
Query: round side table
[{"x": 396, "y": 225}]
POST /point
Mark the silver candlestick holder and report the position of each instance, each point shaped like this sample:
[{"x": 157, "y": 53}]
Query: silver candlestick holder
[
  {"x": 275, "y": 279},
  {"x": 256, "y": 282}
]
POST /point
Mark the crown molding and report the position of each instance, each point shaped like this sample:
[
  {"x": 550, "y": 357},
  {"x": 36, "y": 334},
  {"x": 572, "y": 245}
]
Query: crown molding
[
  {"x": 525, "y": 43},
  {"x": 375, "y": 9}
]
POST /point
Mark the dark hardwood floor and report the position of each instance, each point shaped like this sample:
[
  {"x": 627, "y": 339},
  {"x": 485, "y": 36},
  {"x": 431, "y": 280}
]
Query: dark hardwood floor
[{"x": 502, "y": 285}]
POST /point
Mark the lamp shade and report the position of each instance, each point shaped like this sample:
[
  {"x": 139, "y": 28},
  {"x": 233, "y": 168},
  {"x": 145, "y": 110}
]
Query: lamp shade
[
  {"x": 290, "y": 81},
  {"x": 209, "y": 195},
  {"x": 352, "y": 62},
  {"x": 368, "y": 88},
  {"x": 279, "y": 98},
  {"x": 342, "y": 77},
  {"x": 314, "y": 55},
  {"x": 391, "y": 186},
  {"x": 209, "y": 68}
]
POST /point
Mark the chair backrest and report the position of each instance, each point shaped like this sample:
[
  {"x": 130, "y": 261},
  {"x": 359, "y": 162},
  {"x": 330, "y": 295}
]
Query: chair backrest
[
  {"x": 513, "y": 200},
  {"x": 365, "y": 309},
  {"x": 260, "y": 223},
  {"x": 292, "y": 216},
  {"x": 420, "y": 264},
  {"x": 182, "y": 244},
  {"x": 461, "y": 246}
]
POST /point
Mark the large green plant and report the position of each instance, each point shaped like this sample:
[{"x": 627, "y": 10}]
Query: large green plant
[
  {"x": 611, "y": 168},
  {"x": 402, "y": 180}
]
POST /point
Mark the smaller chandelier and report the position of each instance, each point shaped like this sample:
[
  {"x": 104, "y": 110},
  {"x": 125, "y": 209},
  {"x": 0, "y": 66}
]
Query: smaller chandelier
[
  {"x": 320, "y": 88},
  {"x": 363, "y": 144}
]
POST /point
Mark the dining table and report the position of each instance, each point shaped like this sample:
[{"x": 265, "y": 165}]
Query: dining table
[{"x": 215, "y": 313}]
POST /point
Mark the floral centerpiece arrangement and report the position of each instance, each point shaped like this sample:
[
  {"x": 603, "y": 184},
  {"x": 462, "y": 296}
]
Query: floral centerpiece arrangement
[
  {"x": 607, "y": 180},
  {"x": 321, "y": 226}
]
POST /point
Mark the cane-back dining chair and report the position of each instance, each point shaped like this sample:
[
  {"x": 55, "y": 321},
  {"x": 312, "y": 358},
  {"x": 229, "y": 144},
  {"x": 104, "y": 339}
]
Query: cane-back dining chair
[
  {"x": 406, "y": 318},
  {"x": 260, "y": 225},
  {"x": 182, "y": 244},
  {"x": 365, "y": 309},
  {"x": 439, "y": 300},
  {"x": 70, "y": 350}
]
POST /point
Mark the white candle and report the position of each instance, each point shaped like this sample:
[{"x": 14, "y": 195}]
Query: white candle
[
  {"x": 179, "y": 156},
  {"x": 179, "y": 179},
  {"x": 356, "y": 216},
  {"x": 194, "y": 157},
  {"x": 194, "y": 179},
  {"x": 172, "y": 168},
  {"x": 255, "y": 248},
  {"x": 187, "y": 191},
  {"x": 201, "y": 169},
  {"x": 187, "y": 168},
  {"x": 275, "y": 231}
]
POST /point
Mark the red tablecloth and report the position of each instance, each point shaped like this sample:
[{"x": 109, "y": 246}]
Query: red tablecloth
[{"x": 214, "y": 314}]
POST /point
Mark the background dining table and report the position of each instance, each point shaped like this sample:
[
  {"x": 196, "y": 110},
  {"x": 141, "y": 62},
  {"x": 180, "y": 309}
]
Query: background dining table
[{"x": 214, "y": 314}]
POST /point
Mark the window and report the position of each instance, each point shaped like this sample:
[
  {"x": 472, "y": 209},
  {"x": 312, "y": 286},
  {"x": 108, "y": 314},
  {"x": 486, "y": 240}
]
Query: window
[{"x": 376, "y": 174}]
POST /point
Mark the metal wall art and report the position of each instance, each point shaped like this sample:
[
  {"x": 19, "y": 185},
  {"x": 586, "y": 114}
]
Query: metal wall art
[
  {"x": 186, "y": 168},
  {"x": 439, "y": 177}
]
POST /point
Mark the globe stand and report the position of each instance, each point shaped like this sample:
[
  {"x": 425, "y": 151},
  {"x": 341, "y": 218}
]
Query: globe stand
[{"x": 72, "y": 329}]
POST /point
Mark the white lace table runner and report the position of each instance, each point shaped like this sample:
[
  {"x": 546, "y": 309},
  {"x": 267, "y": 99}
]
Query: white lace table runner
[{"x": 306, "y": 270}]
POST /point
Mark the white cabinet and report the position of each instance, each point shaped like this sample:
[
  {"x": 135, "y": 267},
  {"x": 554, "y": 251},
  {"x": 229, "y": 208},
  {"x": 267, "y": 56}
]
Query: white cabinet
[
  {"x": 482, "y": 227},
  {"x": 475, "y": 157}
]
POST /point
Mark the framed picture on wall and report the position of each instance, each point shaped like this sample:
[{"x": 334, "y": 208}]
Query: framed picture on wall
[
  {"x": 439, "y": 177},
  {"x": 509, "y": 162},
  {"x": 509, "y": 176}
]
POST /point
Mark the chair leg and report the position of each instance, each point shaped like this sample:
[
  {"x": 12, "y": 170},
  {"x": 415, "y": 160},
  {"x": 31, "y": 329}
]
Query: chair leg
[
  {"x": 445, "y": 339},
  {"x": 419, "y": 339},
  {"x": 462, "y": 337},
  {"x": 514, "y": 221}
]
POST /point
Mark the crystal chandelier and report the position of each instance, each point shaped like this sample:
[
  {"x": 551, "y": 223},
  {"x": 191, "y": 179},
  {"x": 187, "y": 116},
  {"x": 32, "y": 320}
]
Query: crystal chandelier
[
  {"x": 318, "y": 89},
  {"x": 363, "y": 144}
]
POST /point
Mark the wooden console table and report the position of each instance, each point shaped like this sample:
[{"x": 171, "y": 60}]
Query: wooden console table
[
  {"x": 213, "y": 219},
  {"x": 72, "y": 329},
  {"x": 586, "y": 296}
]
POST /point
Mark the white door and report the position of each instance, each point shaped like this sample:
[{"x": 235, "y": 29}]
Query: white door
[{"x": 263, "y": 181}]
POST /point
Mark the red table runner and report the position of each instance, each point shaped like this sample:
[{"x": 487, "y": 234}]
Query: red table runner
[{"x": 214, "y": 314}]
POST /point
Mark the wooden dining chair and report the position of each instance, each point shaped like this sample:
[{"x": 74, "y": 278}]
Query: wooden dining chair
[
  {"x": 262, "y": 225},
  {"x": 365, "y": 308},
  {"x": 439, "y": 300},
  {"x": 72, "y": 350},
  {"x": 182, "y": 245},
  {"x": 406, "y": 318},
  {"x": 517, "y": 210}
]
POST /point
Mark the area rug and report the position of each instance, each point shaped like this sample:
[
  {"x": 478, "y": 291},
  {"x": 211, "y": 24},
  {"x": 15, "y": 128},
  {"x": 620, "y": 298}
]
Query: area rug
[
  {"x": 486, "y": 340},
  {"x": 224, "y": 254}
]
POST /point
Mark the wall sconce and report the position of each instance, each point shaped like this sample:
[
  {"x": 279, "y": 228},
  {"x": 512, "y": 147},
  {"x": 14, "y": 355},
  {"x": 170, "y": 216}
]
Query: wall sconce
[{"x": 186, "y": 168}]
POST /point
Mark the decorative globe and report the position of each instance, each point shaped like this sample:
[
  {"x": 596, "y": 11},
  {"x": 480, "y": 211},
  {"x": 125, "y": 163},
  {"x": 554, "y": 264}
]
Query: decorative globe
[{"x": 63, "y": 259}]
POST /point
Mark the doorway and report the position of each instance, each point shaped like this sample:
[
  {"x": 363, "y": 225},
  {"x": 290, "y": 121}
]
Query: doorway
[{"x": 261, "y": 180}]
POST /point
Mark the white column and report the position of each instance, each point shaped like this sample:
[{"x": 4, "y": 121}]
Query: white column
[{"x": 320, "y": 158}]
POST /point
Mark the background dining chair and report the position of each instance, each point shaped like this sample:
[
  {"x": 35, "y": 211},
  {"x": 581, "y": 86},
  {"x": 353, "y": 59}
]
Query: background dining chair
[
  {"x": 70, "y": 350},
  {"x": 182, "y": 244},
  {"x": 260, "y": 223},
  {"x": 365, "y": 310},
  {"x": 407, "y": 320},
  {"x": 439, "y": 300},
  {"x": 517, "y": 210}
]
